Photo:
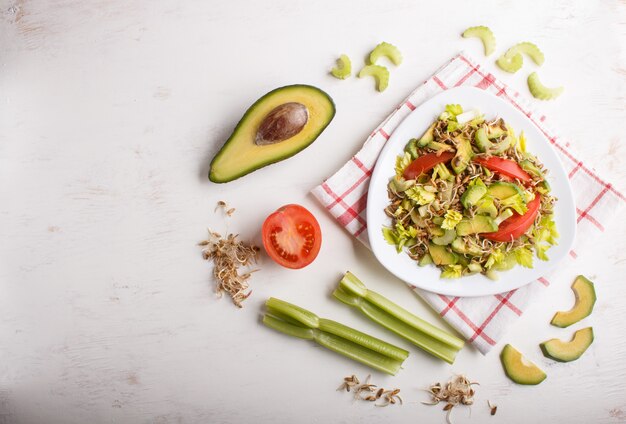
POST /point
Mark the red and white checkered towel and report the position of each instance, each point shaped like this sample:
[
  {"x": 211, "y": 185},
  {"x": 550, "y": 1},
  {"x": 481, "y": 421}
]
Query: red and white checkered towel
[{"x": 482, "y": 320}]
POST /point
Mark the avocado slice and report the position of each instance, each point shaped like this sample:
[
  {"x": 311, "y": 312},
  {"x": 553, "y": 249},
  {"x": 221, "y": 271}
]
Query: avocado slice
[
  {"x": 436, "y": 146},
  {"x": 466, "y": 246},
  {"x": 445, "y": 239},
  {"x": 477, "y": 224},
  {"x": 502, "y": 190},
  {"x": 463, "y": 155},
  {"x": 568, "y": 351},
  {"x": 531, "y": 168},
  {"x": 276, "y": 127},
  {"x": 585, "y": 299},
  {"x": 472, "y": 195},
  {"x": 441, "y": 256},
  {"x": 427, "y": 137},
  {"x": 519, "y": 369}
]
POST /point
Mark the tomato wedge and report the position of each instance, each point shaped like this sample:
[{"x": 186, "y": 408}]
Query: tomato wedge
[
  {"x": 292, "y": 236},
  {"x": 504, "y": 167},
  {"x": 515, "y": 226},
  {"x": 425, "y": 163}
]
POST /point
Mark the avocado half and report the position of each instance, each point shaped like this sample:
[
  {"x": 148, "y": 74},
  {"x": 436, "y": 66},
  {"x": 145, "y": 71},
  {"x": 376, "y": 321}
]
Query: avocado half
[{"x": 276, "y": 127}]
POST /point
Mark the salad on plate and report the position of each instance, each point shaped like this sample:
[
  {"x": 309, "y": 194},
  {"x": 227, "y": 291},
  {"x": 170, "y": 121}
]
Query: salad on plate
[{"x": 469, "y": 198}]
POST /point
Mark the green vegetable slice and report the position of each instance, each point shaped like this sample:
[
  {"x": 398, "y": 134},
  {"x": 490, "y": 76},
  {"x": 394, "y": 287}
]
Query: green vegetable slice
[
  {"x": 512, "y": 60},
  {"x": 297, "y": 322},
  {"x": 343, "y": 69},
  {"x": 381, "y": 310},
  {"x": 512, "y": 63},
  {"x": 485, "y": 35},
  {"x": 540, "y": 91},
  {"x": 387, "y": 50},
  {"x": 380, "y": 73},
  {"x": 531, "y": 50}
]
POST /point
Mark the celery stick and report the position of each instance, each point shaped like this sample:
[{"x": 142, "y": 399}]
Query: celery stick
[
  {"x": 298, "y": 322},
  {"x": 359, "y": 353},
  {"x": 433, "y": 340},
  {"x": 365, "y": 340},
  {"x": 417, "y": 337},
  {"x": 289, "y": 329},
  {"x": 307, "y": 318}
]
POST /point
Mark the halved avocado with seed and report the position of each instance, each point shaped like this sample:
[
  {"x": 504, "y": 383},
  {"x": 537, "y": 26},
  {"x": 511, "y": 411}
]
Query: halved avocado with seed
[{"x": 276, "y": 127}]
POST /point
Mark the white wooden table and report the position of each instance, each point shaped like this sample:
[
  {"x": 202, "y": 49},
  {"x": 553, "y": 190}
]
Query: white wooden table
[{"x": 110, "y": 113}]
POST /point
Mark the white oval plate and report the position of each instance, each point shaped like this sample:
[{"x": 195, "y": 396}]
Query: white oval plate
[{"x": 427, "y": 277}]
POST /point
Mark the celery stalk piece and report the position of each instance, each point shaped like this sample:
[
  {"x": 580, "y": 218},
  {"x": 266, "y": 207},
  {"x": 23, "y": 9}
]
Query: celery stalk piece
[
  {"x": 390, "y": 51},
  {"x": 433, "y": 340},
  {"x": 343, "y": 69},
  {"x": 288, "y": 328},
  {"x": 485, "y": 35},
  {"x": 362, "y": 339},
  {"x": 540, "y": 91},
  {"x": 380, "y": 74},
  {"x": 298, "y": 322}
]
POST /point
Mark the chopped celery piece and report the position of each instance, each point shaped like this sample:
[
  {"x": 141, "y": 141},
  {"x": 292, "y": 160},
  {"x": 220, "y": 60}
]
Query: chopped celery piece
[
  {"x": 426, "y": 260},
  {"x": 380, "y": 73},
  {"x": 343, "y": 69},
  {"x": 381, "y": 310},
  {"x": 504, "y": 215},
  {"x": 492, "y": 275},
  {"x": 521, "y": 142},
  {"x": 540, "y": 91},
  {"x": 451, "y": 219},
  {"x": 297, "y": 322},
  {"x": 474, "y": 267},
  {"x": 512, "y": 60},
  {"x": 531, "y": 50},
  {"x": 442, "y": 171},
  {"x": 452, "y": 271},
  {"x": 390, "y": 51},
  {"x": 509, "y": 63},
  {"x": 485, "y": 35},
  {"x": 524, "y": 257},
  {"x": 468, "y": 116}
]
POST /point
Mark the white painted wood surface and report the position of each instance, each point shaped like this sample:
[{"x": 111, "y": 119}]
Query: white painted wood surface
[{"x": 110, "y": 112}]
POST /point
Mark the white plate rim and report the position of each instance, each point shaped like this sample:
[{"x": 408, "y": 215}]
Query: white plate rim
[{"x": 477, "y": 285}]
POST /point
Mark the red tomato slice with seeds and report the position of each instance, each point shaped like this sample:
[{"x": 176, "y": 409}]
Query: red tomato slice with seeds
[
  {"x": 514, "y": 227},
  {"x": 292, "y": 236},
  {"x": 425, "y": 163}
]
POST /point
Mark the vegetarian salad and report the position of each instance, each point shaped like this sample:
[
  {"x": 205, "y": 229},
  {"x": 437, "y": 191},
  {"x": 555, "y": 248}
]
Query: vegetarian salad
[{"x": 469, "y": 198}]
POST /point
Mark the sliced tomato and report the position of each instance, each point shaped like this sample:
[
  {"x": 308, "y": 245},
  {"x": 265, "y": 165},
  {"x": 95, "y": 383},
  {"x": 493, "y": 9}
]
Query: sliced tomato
[
  {"x": 504, "y": 167},
  {"x": 515, "y": 226},
  {"x": 426, "y": 163},
  {"x": 292, "y": 236}
]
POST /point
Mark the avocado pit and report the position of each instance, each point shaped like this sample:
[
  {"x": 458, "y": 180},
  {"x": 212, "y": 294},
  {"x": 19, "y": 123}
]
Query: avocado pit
[{"x": 282, "y": 123}]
